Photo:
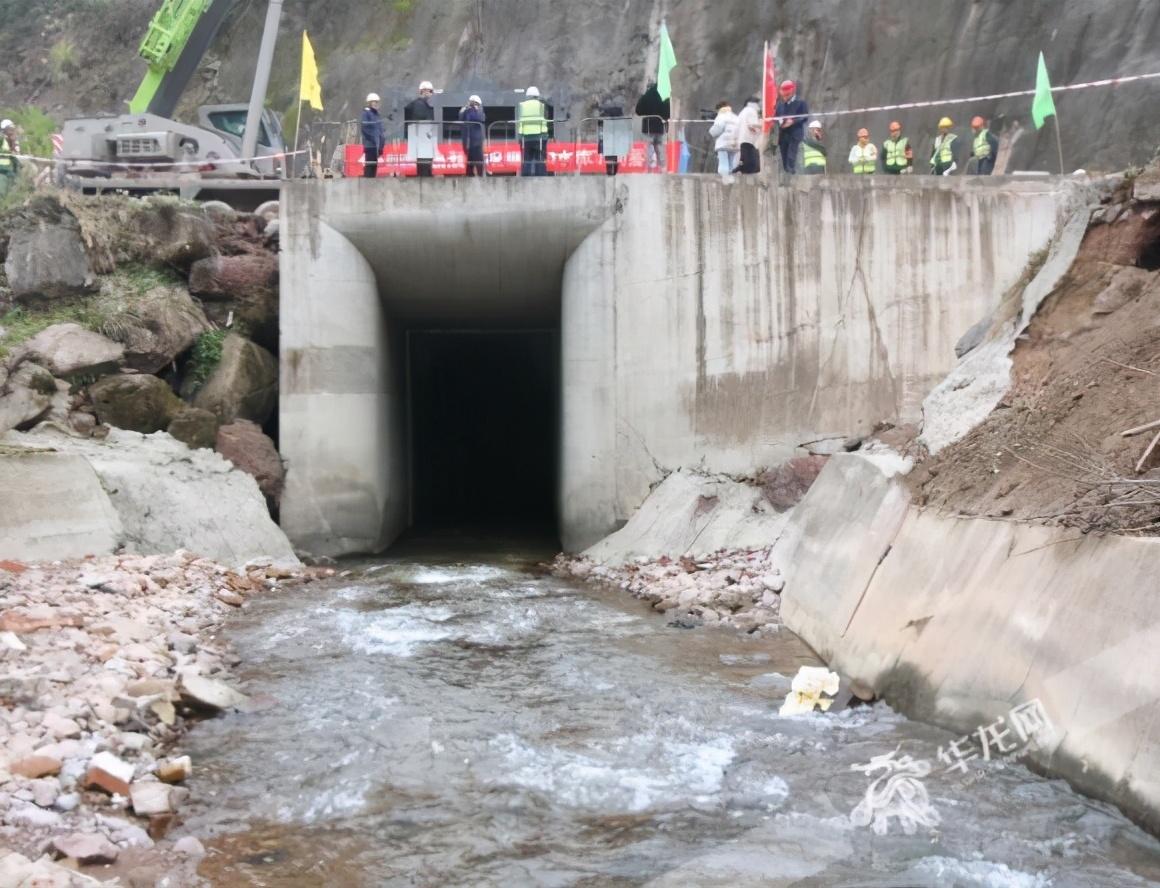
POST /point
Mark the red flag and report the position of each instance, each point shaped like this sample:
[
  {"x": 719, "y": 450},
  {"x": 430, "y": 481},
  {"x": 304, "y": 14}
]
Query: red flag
[{"x": 769, "y": 88}]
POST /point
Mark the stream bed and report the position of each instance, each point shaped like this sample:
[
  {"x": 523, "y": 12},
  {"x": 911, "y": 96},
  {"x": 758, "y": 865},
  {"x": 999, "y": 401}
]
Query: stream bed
[{"x": 439, "y": 720}]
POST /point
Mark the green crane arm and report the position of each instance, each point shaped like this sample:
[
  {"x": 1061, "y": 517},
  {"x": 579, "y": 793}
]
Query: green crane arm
[{"x": 179, "y": 35}]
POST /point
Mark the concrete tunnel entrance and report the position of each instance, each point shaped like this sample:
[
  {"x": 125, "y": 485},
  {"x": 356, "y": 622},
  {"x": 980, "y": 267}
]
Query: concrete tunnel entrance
[
  {"x": 422, "y": 358},
  {"x": 482, "y": 414}
]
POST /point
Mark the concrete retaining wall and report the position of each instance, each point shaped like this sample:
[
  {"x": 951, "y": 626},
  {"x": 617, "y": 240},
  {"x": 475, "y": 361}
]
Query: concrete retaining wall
[
  {"x": 701, "y": 324},
  {"x": 956, "y": 621}
]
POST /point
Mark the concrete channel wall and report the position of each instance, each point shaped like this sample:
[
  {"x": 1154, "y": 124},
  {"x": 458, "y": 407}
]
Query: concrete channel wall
[
  {"x": 957, "y": 621},
  {"x": 701, "y": 324}
]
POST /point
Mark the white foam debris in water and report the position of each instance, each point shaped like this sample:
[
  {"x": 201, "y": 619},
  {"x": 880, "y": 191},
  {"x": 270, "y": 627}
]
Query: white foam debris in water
[
  {"x": 467, "y": 573},
  {"x": 400, "y": 632},
  {"x": 676, "y": 773},
  {"x": 977, "y": 874}
]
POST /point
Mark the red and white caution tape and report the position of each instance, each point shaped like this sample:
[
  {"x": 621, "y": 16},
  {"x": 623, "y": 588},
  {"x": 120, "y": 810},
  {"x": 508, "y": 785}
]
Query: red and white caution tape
[{"x": 934, "y": 103}]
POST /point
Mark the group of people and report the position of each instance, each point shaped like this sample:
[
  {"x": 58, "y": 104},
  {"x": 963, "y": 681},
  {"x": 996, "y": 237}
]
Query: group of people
[
  {"x": 532, "y": 129},
  {"x": 738, "y": 138}
]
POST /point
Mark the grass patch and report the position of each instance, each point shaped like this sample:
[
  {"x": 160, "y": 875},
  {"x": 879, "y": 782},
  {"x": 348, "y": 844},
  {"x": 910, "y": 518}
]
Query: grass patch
[
  {"x": 20, "y": 324},
  {"x": 207, "y": 354}
]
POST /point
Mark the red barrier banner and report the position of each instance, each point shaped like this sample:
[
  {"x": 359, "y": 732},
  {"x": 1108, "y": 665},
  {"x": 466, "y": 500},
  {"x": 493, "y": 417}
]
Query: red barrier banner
[{"x": 504, "y": 158}]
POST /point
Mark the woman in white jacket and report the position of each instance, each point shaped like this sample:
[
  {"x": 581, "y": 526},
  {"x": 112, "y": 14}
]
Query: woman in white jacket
[{"x": 724, "y": 130}]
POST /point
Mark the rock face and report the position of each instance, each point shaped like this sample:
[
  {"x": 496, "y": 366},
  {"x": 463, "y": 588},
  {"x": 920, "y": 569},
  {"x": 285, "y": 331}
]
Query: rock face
[
  {"x": 195, "y": 428},
  {"x": 245, "y": 445},
  {"x": 26, "y": 396},
  {"x": 46, "y": 258},
  {"x": 166, "y": 324},
  {"x": 244, "y": 385},
  {"x": 693, "y": 514},
  {"x": 166, "y": 496},
  {"x": 54, "y": 507},
  {"x": 137, "y": 402},
  {"x": 246, "y": 286},
  {"x": 70, "y": 350}
]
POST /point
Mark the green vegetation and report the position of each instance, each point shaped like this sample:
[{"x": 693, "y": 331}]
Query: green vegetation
[
  {"x": 404, "y": 6},
  {"x": 207, "y": 354},
  {"x": 20, "y": 324},
  {"x": 62, "y": 60}
]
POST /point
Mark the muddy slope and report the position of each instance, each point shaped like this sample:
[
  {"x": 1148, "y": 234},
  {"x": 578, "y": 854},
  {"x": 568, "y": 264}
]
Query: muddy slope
[{"x": 1087, "y": 370}]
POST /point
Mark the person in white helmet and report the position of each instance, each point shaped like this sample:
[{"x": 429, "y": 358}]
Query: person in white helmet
[
  {"x": 532, "y": 130},
  {"x": 474, "y": 121},
  {"x": 372, "y": 136},
  {"x": 421, "y": 139},
  {"x": 724, "y": 130},
  {"x": 814, "y": 149}
]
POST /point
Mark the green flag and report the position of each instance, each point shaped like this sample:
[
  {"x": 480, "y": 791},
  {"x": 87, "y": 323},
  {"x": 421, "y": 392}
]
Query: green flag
[
  {"x": 666, "y": 63},
  {"x": 1044, "y": 105}
]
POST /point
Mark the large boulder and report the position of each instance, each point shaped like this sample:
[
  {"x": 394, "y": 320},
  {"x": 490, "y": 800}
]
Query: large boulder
[
  {"x": 244, "y": 385},
  {"x": 245, "y": 445},
  {"x": 246, "y": 286},
  {"x": 46, "y": 258},
  {"x": 137, "y": 402},
  {"x": 26, "y": 396},
  {"x": 195, "y": 428},
  {"x": 69, "y": 350},
  {"x": 162, "y": 324}
]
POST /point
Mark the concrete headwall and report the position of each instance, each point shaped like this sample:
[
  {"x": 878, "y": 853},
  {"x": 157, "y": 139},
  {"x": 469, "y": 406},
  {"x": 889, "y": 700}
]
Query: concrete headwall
[
  {"x": 958, "y": 621},
  {"x": 702, "y": 324},
  {"x": 341, "y": 400}
]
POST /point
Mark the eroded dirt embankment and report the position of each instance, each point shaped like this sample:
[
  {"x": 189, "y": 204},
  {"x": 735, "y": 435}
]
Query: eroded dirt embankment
[{"x": 1086, "y": 371}]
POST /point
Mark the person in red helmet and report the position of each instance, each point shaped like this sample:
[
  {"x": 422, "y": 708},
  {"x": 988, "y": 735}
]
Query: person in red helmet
[
  {"x": 792, "y": 114},
  {"x": 897, "y": 155},
  {"x": 985, "y": 148},
  {"x": 864, "y": 155}
]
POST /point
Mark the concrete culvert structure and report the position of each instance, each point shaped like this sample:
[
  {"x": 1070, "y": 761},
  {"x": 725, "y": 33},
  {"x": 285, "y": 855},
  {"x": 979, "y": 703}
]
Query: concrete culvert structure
[{"x": 453, "y": 349}]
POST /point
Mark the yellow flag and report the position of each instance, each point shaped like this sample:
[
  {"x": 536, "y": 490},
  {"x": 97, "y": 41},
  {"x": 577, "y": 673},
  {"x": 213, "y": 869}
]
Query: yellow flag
[{"x": 311, "y": 89}]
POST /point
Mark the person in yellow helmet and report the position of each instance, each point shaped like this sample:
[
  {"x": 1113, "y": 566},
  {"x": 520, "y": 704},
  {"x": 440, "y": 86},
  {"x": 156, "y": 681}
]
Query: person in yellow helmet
[
  {"x": 864, "y": 155},
  {"x": 943, "y": 159}
]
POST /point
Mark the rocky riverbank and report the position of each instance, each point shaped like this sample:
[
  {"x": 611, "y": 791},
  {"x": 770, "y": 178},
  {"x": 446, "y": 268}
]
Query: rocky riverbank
[
  {"x": 106, "y": 663},
  {"x": 737, "y": 588}
]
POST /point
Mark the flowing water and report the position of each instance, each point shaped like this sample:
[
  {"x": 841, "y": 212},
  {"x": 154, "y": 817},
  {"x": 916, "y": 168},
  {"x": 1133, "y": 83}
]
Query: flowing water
[{"x": 480, "y": 723}]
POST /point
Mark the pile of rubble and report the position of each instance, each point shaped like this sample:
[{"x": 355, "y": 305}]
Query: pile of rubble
[
  {"x": 736, "y": 588},
  {"x": 104, "y": 664}
]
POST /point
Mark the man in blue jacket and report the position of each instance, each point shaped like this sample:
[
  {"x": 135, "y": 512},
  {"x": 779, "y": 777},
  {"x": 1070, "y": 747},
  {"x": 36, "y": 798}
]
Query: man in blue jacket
[
  {"x": 372, "y": 136},
  {"x": 792, "y": 114},
  {"x": 473, "y": 120}
]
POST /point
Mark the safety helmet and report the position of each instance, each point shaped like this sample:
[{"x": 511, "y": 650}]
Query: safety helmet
[
  {"x": 946, "y": 121},
  {"x": 6, "y": 124},
  {"x": 815, "y": 124},
  {"x": 426, "y": 84},
  {"x": 895, "y": 125},
  {"x": 532, "y": 92},
  {"x": 863, "y": 133},
  {"x": 373, "y": 97},
  {"x": 978, "y": 121},
  {"x": 788, "y": 86},
  {"x": 474, "y": 100}
]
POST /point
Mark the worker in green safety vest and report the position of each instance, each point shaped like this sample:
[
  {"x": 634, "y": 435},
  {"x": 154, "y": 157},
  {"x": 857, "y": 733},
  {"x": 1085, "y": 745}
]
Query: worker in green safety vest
[
  {"x": 943, "y": 155},
  {"x": 897, "y": 155},
  {"x": 864, "y": 155},
  {"x": 814, "y": 149},
  {"x": 984, "y": 149},
  {"x": 532, "y": 130},
  {"x": 9, "y": 165}
]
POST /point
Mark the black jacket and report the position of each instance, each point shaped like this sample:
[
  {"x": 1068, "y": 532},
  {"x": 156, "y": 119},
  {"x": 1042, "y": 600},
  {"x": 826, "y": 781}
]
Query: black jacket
[
  {"x": 419, "y": 109},
  {"x": 651, "y": 107}
]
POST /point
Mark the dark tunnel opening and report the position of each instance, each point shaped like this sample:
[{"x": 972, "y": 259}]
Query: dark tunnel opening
[{"x": 483, "y": 417}]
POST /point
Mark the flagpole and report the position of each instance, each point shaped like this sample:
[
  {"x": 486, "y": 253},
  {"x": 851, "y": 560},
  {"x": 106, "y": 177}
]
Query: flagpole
[
  {"x": 297, "y": 130},
  {"x": 1059, "y": 144}
]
